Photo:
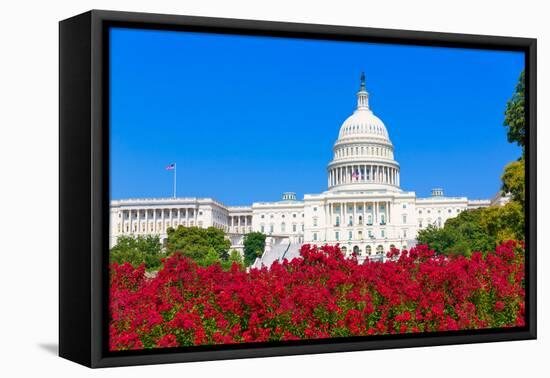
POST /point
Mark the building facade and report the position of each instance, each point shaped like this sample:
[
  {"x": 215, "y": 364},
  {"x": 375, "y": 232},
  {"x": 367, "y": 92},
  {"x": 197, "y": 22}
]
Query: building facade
[{"x": 364, "y": 209}]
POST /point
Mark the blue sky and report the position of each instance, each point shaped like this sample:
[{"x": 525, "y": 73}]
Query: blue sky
[{"x": 247, "y": 118}]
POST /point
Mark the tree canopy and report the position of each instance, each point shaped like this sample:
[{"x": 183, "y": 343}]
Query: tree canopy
[
  {"x": 513, "y": 181},
  {"x": 476, "y": 230},
  {"x": 254, "y": 244},
  {"x": 138, "y": 250},
  {"x": 515, "y": 114},
  {"x": 205, "y": 246}
]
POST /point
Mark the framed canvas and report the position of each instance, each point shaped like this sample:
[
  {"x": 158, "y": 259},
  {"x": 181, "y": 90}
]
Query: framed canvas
[{"x": 235, "y": 188}]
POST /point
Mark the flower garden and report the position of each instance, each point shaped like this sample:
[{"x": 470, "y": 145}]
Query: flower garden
[{"x": 322, "y": 294}]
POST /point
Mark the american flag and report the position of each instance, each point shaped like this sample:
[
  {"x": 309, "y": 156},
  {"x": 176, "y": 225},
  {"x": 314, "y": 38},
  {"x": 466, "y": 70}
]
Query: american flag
[{"x": 171, "y": 167}]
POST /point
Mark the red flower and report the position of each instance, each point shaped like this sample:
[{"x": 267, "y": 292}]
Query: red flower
[{"x": 318, "y": 295}]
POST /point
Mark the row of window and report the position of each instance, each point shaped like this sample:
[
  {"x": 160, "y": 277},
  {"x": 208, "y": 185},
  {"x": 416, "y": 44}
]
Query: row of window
[
  {"x": 338, "y": 208},
  {"x": 160, "y": 227},
  {"x": 358, "y": 151},
  {"x": 360, "y": 236},
  {"x": 271, "y": 228},
  {"x": 449, "y": 211},
  {"x": 438, "y": 223},
  {"x": 271, "y": 216},
  {"x": 363, "y": 128},
  {"x": 360, "y": 220}
]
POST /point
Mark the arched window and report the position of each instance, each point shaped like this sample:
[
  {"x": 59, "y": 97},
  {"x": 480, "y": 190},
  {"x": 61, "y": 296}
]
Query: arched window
[
  {"x": 314, "y": 222},
  {"x": 360, "y": 219},
  {"x": 382, "y": 219},
  {"x": 380, "y": 249},
  {"x": 392, "y": 246},
  {"x": 356, "y": 251},
  {"x": 368, "y": 250},
  {"x": 350, "y": 220},
  {"x": 344, "y": 250},
  {"x": 369, "y": 220},
  {"x": 283, "y": 227}
]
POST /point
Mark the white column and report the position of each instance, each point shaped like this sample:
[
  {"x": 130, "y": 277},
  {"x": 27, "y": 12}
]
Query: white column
[
  {"x": 344, "y": 221},
  {"x": 132, "y": 221}
]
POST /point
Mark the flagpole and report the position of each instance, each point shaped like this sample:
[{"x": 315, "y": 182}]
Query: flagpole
[{"x": 175, "y": 167}]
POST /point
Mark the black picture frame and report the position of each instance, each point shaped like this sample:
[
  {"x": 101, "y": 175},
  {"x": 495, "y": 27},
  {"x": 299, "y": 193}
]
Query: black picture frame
[{"x": 84, "y": 186}]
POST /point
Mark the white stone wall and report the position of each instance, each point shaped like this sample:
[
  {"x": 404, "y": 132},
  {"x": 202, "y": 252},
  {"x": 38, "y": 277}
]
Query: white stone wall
[{"x": 283, "y": 218}]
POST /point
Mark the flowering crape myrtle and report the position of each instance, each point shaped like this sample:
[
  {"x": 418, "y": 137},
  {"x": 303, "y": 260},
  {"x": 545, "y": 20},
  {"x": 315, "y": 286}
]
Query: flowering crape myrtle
[{"x": 322, "y": 294}]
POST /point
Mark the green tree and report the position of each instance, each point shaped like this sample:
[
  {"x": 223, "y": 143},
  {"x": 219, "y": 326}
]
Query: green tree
[
  {"x": 138, "y": 250},
  {"x": 234, "y": 258},
  {"x": 205, "y": 246},
  {"x": 513, "y": 181},
  {"x": 476, "y": 230},
  {"x": 254, "y": 245},
  {"x": 515, "y": 114}
]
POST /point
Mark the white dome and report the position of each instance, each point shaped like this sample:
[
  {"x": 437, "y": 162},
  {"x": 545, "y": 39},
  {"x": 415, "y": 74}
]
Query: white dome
[
  {"x": 363, "y": 123},
  {"x": 363, "y": 156}
]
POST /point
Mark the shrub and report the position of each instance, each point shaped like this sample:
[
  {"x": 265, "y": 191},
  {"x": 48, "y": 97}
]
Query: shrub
[{"x": 322, "y": 294}]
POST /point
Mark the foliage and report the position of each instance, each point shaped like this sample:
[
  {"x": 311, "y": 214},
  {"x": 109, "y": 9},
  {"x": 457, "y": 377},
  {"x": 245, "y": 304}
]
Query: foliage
[
  {"x": 460, "y": 235},
  {"x": 234, "y": 258},
  {"x": 205, "y": 246},
  {"x": 515, "y": 114},
  {"x": 319, "y": 295},
  {"x": 476, "y": 230},
  {"x": 513, "y": 181},
  {"x": 138, "y": 250},
  {"x": 254, "y": 245}
]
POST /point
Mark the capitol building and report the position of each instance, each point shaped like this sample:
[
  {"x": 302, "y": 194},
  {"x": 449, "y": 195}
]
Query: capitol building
[{"x": 364, "y": 208}]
